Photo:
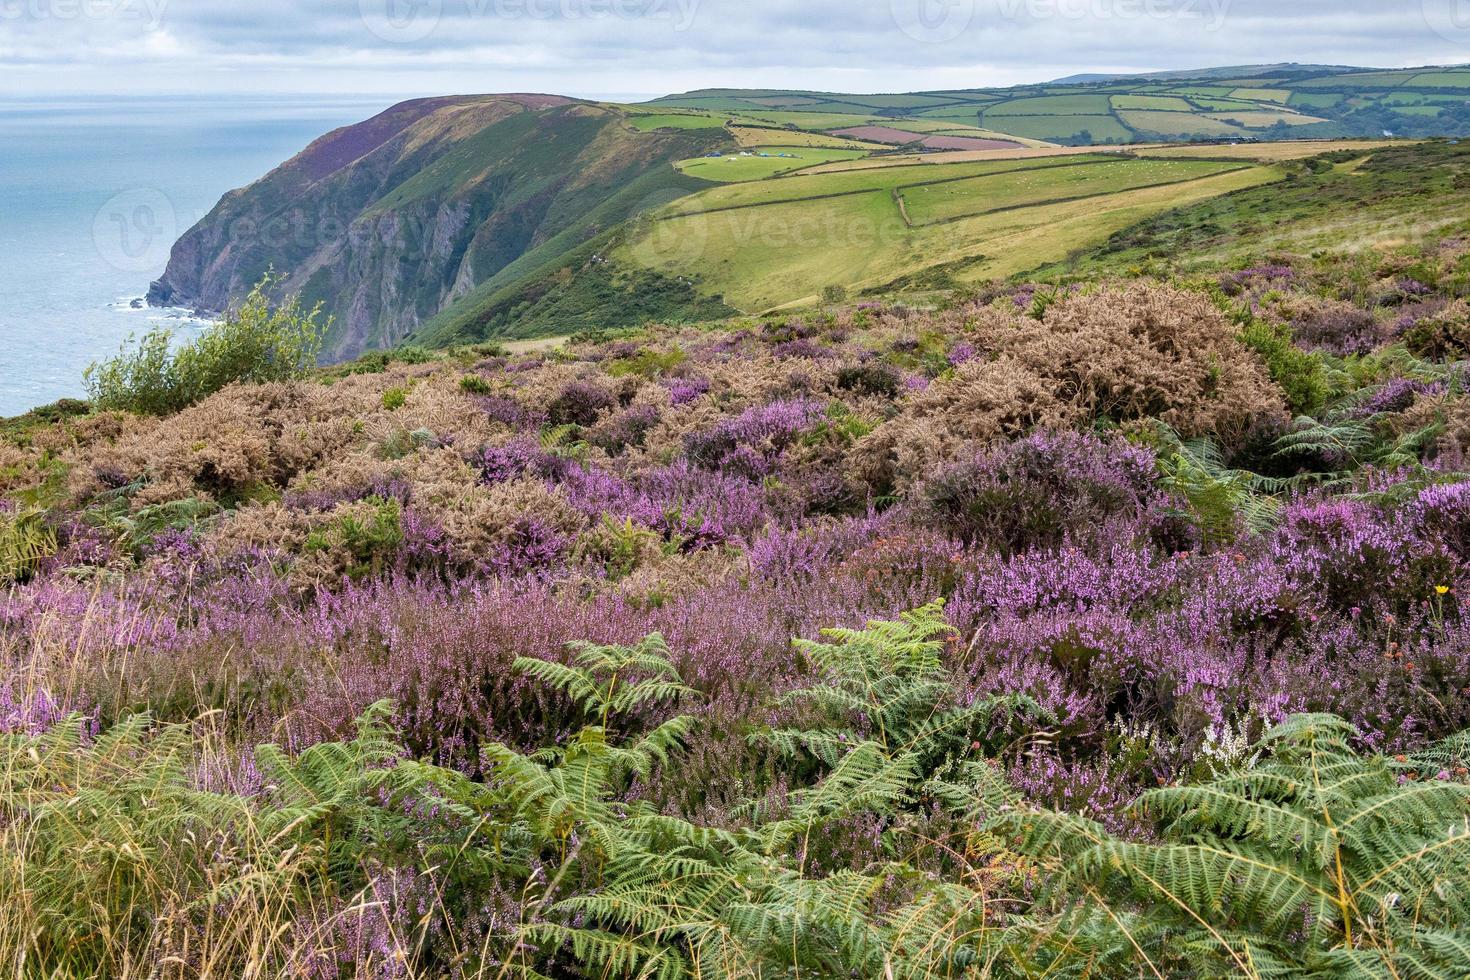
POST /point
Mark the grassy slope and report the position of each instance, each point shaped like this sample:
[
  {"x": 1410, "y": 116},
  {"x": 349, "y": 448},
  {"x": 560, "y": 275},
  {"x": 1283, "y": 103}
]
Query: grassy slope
[
  {"x": 1393, "y": 194},
  {"x": 537, "y": 278},
  {"x": 734, "y": 168},
  {"x": 801, "y": 186},
  {"x": 778, "y": 254},
  {"x": 932, "y": 204}
]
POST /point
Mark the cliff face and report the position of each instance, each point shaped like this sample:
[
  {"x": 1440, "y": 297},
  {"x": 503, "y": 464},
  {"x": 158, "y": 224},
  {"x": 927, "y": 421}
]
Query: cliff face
[{"x": 390, "y": 222}]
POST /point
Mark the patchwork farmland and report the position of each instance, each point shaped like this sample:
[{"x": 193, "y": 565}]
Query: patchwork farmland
[
  {"x": 1281, "y": 102},
  {"x": 764, "y": 244}
]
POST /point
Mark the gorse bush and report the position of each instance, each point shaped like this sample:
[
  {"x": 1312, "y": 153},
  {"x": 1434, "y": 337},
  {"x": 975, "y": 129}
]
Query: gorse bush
[{"x": 257, "y": 342}]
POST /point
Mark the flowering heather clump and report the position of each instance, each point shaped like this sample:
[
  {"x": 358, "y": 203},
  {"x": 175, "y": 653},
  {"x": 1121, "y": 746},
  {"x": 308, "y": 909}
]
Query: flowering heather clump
[
  {"x": 1397, "y": 395},
  {"x": 752, "y": 440},
  {"x": 1044, "y": 490},
  {"x": 685, "y": 390}
]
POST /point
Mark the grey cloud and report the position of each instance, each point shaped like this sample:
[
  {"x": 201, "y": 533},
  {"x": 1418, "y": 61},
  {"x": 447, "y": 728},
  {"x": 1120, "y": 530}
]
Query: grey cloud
[{"x": 617, "y": 46}]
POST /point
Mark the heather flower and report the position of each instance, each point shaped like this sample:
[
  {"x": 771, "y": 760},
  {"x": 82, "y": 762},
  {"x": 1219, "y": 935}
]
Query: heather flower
[{"x": 685, "y": 390}]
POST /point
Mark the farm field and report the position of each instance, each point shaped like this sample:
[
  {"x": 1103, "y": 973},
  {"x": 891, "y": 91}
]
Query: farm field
[
  {"x": 850, "y": 230},
  {"x": 1165, "y": 102},
  {"x": 1268, "y": 152},
  {"x": 973, "y": 156},
  {"x": 936, "y": 203},
  {"x": 1262, "y": 120},
  {"x": 1051, "y": 105},
  {"x": 1097, "y": 129},
  {"x": 780, "y": 136},
  {"x": 663, "y": 120},
  {"x": 765, "y": 162},
  {"x": 834, "y": 184},
  {"x": 1177, "y": 124},
  {"x": 1394, "y": 192}
]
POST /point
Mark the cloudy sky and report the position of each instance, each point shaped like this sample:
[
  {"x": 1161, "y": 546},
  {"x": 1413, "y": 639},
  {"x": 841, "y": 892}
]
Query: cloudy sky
[{"x": 627, "y": 48}]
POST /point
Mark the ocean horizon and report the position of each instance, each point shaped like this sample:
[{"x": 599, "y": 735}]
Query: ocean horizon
[{"x": 93, "y": 193}]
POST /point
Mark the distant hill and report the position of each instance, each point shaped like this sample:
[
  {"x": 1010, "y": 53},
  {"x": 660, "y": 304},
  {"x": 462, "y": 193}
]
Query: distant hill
[
  {"x": 431, "y": 205},
  {"x": 1229, "y": 71},
  {"x": 453, "y": 219}
]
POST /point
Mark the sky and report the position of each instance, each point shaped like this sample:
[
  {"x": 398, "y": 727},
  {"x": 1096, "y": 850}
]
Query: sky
[{"x": 625, "y": 49}]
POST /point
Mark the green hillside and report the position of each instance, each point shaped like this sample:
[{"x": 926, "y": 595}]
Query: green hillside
[
  {"x": 771, "y": 243},
  {"x": 454, "y": 220}
]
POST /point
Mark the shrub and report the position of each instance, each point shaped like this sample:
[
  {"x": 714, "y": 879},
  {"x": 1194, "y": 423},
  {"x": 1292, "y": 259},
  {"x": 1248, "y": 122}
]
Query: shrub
[
  {"x": 1300, "y": 374},
  {"x": 369, "y": 533},
  {"x": 473, "y": 384},
  {"x": 256, "y": 342},
  {"x": 579, "y": 403},
  {"x": 395, "y": 398},
  {"x": 872, "y": 378},
  {"x": 1128, "y": 353},
  {"x": 1441, "y": 336},
  {"x": 1043, "y": 490}
]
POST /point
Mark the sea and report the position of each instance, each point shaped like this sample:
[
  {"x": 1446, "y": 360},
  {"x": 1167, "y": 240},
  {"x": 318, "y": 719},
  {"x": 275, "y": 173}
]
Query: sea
[{"x": 94, "y": 192}]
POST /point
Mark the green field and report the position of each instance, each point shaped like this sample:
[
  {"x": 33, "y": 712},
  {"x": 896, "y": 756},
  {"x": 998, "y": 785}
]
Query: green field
[
  {"x": 1165, "y": 102},
  {"x": 764, "y": 257},
  {"x": 1175, "y": 124},
  {"x": 962, "y": 113},
  {"x": 647, "y": 122},
  {"x": 1443, "y": 79},
  {"x": 1316, "y": 100},
  {"x": 1280, "y": 95},
  {"x": 1103, "y": 129},
  {"x": 934, "y": 203},
  {"x": 846, "y": 182},
  {"x": 736, "y": 167},
  {"x": 1052, "y": 105}
]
